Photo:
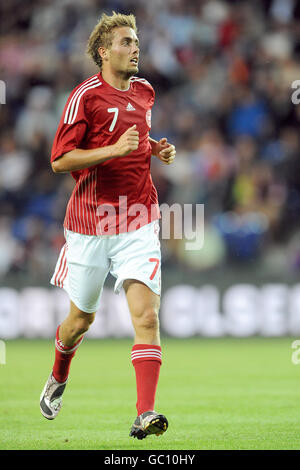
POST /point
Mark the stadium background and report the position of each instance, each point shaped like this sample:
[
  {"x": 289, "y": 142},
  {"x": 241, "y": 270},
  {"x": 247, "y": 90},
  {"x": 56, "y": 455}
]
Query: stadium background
[{"x": 223, "y": 74}]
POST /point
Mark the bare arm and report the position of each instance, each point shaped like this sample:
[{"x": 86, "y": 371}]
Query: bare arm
[
  {"x": 78, "y": 159},
  {"x": 153, "y": 146}
]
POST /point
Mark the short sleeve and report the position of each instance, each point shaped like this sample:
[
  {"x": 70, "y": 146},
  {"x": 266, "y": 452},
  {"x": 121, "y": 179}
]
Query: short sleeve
[
  {"x": 151, "y": 92},
  {"x": 152, "y": 96},
  {"x": 72, "y": 127}
]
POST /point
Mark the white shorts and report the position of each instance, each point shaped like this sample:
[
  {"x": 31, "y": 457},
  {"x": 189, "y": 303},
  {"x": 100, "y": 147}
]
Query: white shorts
[{"x": 85, "y": 261}]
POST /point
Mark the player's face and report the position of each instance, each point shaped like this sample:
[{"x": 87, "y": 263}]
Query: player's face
[{"x": 123, "y": 54}]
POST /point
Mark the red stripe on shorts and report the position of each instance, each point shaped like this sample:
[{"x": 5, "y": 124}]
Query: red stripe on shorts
[{"x": 61, "y": 265}]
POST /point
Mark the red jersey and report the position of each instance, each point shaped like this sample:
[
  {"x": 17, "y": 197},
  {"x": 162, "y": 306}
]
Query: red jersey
[{"x": 117, "y": 195}]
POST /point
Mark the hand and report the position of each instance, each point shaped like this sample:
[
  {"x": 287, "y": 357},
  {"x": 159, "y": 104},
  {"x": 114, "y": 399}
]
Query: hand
[
  {"x": 165, "y": 152},
  {"x": 128, "y": 142}
]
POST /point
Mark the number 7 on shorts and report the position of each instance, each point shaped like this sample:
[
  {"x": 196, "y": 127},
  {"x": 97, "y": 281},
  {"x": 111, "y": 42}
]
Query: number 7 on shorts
[{"x": 156, "y": 261}]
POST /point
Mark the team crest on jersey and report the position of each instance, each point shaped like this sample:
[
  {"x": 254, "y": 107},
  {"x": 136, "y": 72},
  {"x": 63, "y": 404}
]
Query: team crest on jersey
[{"x": 148, "y": 118}]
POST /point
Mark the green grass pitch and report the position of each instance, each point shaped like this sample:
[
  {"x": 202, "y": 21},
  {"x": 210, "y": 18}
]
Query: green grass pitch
[{"x": 224, "y": 393}]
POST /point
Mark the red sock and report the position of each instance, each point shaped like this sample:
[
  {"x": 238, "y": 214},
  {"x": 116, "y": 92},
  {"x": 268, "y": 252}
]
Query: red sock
[
  {"x": 146, "y": 359},
  {"x": 63, "y": 358}
]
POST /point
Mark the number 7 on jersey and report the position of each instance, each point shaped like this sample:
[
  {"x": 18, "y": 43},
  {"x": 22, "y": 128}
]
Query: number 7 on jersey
[{"x": 116, "y": 111}]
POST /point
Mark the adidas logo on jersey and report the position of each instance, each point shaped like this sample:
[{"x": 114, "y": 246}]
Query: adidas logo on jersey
[{"x": 130, "y": 107}]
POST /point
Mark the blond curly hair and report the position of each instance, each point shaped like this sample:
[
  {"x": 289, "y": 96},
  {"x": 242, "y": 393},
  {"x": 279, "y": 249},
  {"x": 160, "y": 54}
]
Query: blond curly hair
[{"x": 101, "y": 35}]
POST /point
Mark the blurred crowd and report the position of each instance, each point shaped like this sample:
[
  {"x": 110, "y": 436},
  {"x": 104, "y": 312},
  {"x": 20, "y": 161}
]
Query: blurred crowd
[{"x": 223, "y": 74}]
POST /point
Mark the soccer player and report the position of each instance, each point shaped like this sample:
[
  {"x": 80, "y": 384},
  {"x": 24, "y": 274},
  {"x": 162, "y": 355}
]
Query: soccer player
[{"x": 111, "y": 222}]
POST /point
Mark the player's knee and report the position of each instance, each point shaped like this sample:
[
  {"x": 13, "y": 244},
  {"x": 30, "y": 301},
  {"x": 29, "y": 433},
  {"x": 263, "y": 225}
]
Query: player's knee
[
  {"x": 149, "y": 319},
  {"x": 82, "y": 324}
]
